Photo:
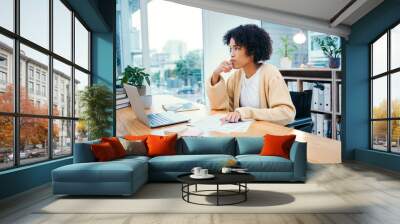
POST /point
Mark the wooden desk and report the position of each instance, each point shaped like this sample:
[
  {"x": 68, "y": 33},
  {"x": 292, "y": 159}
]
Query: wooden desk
[{"x": 319, "y": 149}]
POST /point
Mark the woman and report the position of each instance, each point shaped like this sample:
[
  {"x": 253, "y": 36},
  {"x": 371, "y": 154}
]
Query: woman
[{"x": 256, "y": 90}]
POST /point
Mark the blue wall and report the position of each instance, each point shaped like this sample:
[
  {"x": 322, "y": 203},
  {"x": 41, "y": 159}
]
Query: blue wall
[
  {"x": 99, "y": 15},
  {"x": 357, "y": 83},
  {"x": 103, "y": 64},
  {"x": 24, "y": 178}
]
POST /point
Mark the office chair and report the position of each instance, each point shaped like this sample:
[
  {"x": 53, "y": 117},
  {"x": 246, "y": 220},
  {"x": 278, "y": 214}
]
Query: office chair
[{"x": 302, "y": 103}]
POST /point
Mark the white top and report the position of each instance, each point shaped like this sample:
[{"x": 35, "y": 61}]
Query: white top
[{"x": 250, "y": 90}]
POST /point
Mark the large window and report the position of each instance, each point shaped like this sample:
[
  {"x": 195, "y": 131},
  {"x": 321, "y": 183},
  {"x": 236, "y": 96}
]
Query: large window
[
  {"x": 385, "y": 96},
  {"x": 176, "y": 57},
  {"x": 40, "y": 81},
  {"x": 181, "y": 46}
]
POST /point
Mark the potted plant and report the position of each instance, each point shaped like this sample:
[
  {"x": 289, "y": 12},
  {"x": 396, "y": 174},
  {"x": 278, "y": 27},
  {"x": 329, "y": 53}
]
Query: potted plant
[
  {"x": 135, "y": 76},
  {"x": 96, "y": 102},
  {"x": 286, "y": 52},
  {"x": 330, "y": 47}
]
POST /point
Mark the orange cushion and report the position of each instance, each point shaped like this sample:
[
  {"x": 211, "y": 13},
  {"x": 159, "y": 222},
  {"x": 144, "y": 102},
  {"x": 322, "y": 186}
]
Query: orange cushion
[
  {"x": 136, "y": 137},
  {"x": 275, "y": 145},
  {"x": 116, "y": 145},
  {"x": 161, "y": 145},
  {"x": 103, "y": 151}
]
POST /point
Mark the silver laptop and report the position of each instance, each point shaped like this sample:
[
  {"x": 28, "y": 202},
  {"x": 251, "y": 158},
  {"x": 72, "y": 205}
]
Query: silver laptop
[{"x": 155, "y": 119}]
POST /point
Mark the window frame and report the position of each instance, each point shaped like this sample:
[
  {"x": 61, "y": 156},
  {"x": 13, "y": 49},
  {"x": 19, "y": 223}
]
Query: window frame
[
  {"x": 16, "y": 114},
  {"x": 388, "y": 74}
]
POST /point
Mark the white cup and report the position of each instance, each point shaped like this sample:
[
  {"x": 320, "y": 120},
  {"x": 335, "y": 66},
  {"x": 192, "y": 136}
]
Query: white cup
[
  {"x": 203, "y": 172},
  {"x": 196, "y": 171},
  {"x": 226, "y": 170}
]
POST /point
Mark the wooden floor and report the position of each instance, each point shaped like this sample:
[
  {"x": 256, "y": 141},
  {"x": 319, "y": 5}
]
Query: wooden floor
[{"x": 377, "y": 188}]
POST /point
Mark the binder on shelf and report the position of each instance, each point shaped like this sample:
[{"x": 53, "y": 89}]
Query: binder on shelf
[
  {"x": 314, "y": 120},
  {"x": 327, "y": 97},
  {"x": 320, "y": 124},
  {"x": 327, "y": 128},
  {"x": 315, "y": 96},
  {"x": 321, "y": 103}
]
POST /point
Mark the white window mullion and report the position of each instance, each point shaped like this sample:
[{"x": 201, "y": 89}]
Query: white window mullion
[{"x": 145, "y": 34}]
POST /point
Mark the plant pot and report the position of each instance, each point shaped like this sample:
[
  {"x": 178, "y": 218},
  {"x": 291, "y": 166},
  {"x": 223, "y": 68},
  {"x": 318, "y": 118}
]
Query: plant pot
[
  {"x": 141, "y": 90},
  {"x": 285, "y": 62},
  {"x": 334, "y": 62}
]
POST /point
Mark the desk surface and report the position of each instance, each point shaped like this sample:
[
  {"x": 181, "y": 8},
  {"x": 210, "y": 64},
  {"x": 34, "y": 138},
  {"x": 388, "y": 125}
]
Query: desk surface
[{"x": 319, "y": 149}]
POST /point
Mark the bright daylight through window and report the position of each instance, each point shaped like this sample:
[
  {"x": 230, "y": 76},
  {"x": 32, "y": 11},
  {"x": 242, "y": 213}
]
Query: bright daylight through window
[
  {"x": 385, "y": 81},
  {"x": 37, "y": 125}
]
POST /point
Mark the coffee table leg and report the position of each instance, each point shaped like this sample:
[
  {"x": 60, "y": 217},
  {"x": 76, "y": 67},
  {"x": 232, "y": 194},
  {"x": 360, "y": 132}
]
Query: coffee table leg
[
  {"x": 217, "y": 194},
  {"x": 188, "y": 189},
  {"x": 245, "y": 193},
  {"x": 196, "y": 188}
]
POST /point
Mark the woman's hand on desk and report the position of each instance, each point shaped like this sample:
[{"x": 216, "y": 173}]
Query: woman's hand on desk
[{"x": 231, "y": 117}]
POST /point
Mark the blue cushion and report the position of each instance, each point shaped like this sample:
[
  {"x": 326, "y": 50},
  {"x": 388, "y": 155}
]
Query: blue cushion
[
  {"x": 133, "y": 157},
  {"x": 206, "y": 145},
  {"x": 185, "y": 163},
  {"x": 83, "y": 153},
  {"x": 249, "y": 145},
  {"x": 257, "y": 163}
]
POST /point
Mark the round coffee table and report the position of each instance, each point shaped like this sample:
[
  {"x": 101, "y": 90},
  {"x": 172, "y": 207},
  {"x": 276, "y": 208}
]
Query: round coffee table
[{"x": 238, "y": 179}]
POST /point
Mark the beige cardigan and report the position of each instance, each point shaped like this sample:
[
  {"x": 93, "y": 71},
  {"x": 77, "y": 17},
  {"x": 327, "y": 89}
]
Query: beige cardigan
[{"x": 275, "y": 102}]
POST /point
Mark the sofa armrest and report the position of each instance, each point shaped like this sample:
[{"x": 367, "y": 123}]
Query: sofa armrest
[
  {"x": 298, "y": 155},
  {"x": 83, "y": 152}
]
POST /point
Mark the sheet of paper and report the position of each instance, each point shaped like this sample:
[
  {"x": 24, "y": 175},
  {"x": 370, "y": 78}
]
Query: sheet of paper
[{"x": 213, "y": 123}]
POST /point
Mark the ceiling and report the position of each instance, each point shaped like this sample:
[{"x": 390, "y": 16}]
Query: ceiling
[
  {"x": 325, "y": 10},
  {"x": 328, "y": 16}
]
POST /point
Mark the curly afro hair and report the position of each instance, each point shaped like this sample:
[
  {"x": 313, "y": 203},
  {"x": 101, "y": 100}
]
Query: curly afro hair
[{"x": 255, "y": 39}]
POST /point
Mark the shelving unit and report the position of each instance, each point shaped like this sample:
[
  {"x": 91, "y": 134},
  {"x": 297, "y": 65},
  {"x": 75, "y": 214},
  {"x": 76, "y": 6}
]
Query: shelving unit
[{"x": 331, "y": 76}]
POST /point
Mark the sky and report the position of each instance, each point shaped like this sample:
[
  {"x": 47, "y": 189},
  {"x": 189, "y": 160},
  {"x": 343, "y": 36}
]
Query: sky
[
  {"x": 171, "y": 21},
  {"x": 35, "y": 27}
]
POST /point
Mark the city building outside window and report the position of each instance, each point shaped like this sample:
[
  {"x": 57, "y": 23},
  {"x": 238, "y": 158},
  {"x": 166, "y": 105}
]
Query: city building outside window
[
  {"x": 3, "y": 61},
  {"x": 31, "y": 89},
  {"x": 385, "y": 97},
  {"x": 34, "y": 78},
  {"x": 30, "y": 72},
  {"x": 3, "y": 78}
]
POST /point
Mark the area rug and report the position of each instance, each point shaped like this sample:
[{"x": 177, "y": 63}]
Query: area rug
[{"x": 167, "y": 198}]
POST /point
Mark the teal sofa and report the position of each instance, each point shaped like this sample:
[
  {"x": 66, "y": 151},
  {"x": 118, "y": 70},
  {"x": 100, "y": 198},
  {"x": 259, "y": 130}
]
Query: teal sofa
[{"x": 125, "y": 176}]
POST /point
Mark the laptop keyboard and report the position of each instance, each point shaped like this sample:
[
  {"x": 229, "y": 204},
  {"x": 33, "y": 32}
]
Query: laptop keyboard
[{"x": 159, "y": 119}]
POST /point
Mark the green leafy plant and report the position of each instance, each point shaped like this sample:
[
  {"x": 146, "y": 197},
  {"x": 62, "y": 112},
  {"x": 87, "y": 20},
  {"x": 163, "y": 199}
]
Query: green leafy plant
[
  {"x": 96, "y": 102},
  {"x": 288, "y": 47},
  {"x": 134, "y": 76},
  {"x": 329, "y": 45}
]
